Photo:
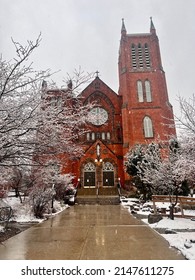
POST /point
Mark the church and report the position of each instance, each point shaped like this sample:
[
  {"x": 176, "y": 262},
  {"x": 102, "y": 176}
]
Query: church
[{"x": 140, "y": 113}]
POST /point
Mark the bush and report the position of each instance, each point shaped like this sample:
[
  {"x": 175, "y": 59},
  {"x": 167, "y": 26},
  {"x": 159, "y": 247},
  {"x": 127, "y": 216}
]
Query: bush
[{"x": 40, "y": 198}]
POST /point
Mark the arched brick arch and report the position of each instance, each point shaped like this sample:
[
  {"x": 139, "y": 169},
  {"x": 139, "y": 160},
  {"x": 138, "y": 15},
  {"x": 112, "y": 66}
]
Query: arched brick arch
[{"x": 98, "y": 96}]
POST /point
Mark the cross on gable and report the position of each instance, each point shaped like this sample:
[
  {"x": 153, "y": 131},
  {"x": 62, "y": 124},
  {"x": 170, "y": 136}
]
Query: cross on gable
[{"x": 97, "y": 73}]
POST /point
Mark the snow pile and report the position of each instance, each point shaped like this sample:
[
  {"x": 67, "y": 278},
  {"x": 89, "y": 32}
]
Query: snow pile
[
  {"x": 22, "y": 213},
  {"x": 177, "y": 223},
  {"x": 183, "y": 241},
  {"x": 184, "y": 228}
]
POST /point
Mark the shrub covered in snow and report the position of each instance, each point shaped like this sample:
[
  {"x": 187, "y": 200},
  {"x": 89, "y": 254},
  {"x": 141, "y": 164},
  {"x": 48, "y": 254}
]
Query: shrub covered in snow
[{"x": 41, "y": 199}]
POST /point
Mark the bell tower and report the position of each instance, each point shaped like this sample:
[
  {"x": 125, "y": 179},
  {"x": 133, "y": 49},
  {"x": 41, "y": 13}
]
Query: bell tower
[{"x": 147, "y": 115}]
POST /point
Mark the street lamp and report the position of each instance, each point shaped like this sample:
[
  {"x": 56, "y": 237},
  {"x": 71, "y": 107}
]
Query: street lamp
[
  {"x": 78, "y": 182},
  {"x": 119, "y": 186}
]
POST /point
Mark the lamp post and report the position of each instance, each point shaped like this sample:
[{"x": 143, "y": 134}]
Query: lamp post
[
  {"x": 119, "y": 186},
  {"x": 78, "y": 182}
]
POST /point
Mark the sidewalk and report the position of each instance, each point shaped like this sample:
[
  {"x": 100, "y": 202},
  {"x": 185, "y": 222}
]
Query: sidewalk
[{"x": 89, "y": 232}]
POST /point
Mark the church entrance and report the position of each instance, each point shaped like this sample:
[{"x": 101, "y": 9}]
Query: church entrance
[
  {"x": 108, "y": 174},
  {"x": 98, "y": 175}
]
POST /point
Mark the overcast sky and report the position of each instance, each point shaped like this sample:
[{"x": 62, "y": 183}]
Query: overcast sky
[{"x": 86, "y": 33}]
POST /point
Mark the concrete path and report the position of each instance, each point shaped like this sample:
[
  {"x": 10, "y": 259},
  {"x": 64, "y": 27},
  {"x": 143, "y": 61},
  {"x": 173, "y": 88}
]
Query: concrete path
[{"x": 85, "y": 232}]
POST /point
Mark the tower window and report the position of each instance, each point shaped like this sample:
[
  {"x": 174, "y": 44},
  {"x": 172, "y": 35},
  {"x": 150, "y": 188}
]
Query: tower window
[
  {"x": 140, "y": 91},
  {"x": 147, "y": 56},
  {"x": 140, "y": 56},
  {"x": 148, "y": 91},
  {"x": 133, "y": 56},
  {"x": 148, "y": 127},
  {"x": 144, "y": 92}
]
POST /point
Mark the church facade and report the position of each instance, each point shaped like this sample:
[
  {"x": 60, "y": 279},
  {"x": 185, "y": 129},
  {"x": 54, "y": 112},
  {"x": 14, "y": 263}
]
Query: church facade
[{"x": 140, "y": 113}]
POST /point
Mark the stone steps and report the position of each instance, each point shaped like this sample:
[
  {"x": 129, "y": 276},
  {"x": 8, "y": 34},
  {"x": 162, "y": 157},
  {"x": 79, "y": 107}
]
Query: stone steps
[
  {"x": 104, "y": 196},
  {"x": 103, "y": 200}
]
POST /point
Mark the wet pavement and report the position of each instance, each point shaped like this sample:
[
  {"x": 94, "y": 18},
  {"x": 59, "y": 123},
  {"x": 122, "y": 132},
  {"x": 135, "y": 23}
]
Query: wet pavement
[{"x": 89, "y": 232}]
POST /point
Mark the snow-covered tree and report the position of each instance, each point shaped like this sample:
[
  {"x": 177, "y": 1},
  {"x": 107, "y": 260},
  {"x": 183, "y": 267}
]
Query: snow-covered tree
[
  {"x": 35, "y": 123},
  {"x": 186, "y": 125},
  {"x": 19, "y": 100},
  {"x": 165, "y": 176},
  {"x": 48, "y": 184},
  {"x": 133, "y": 159},
  {"x": 186, "y": 120},
  {"x": 158, "y": 174},
  {"x": 61, "y": 123},
  {"x": 186, "y": 162},
  {"x": 151, "y": 161},
  {"x": 140, "y": 159}
]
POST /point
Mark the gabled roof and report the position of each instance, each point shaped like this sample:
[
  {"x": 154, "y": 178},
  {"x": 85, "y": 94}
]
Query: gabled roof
[{"x": 97, "y": 85}]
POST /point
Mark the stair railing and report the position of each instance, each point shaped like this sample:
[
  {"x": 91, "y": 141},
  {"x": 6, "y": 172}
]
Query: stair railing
[
  {"x": 119, "y": 188},
  {"x": 97, "y": 191}
]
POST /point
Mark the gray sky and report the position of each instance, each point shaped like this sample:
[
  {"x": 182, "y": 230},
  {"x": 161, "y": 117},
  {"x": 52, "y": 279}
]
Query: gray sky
[{"x": 86, "y": 33}]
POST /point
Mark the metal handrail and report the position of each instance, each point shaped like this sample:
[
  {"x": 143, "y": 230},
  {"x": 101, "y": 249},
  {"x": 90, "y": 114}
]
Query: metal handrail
[{"x": 119, "y": 189}]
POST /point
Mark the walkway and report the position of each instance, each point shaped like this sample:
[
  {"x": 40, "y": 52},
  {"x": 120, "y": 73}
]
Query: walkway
[{"x": 98, "y": 232}]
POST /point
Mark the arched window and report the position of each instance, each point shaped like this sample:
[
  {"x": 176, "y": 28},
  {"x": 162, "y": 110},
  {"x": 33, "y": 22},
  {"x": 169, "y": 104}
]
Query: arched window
[
  {"x": 148, "y": 127},
  {"x": 140, "y": 93},
  {"x": 148, "y": 91},
  {"x": 89, "y": 167},
  {"x": 93, "y": 136},
  {"x": 103, "y": 136}
]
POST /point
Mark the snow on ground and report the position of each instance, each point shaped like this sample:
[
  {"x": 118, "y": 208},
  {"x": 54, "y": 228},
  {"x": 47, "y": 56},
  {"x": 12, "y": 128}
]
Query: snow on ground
[
  {"x": 183, "y": 241},
  {"x": 22, "y": 213},
  {"x": 184, "y": 237}
]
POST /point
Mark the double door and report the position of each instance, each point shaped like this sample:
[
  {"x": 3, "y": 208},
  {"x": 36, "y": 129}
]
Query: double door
[{"x": 102, "y": 175}]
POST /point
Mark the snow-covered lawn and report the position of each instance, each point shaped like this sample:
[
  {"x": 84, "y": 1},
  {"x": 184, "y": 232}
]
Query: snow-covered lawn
[
  {"x": 184, "y": 237},
  {"x": 22, "y": 213}
]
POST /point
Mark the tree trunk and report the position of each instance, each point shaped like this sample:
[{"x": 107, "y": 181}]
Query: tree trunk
[{"x": 171, "y": 213}]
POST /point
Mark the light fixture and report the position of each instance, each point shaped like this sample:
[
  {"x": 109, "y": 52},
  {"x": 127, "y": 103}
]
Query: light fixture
[{"x": 98, "y": 160}]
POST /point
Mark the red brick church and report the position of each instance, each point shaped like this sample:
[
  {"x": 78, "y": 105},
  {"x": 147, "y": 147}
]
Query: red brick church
[{"x": 139, "y": 113}]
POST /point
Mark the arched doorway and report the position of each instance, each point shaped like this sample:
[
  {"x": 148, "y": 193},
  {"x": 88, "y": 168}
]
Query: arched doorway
[
  {"x": 89, "y": 175},
  {"x": 108, "y": 174}
]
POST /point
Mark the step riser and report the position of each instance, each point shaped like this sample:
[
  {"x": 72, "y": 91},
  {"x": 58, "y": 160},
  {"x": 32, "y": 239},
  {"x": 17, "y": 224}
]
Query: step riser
[
  {"x": 100, "y": 191},
  {"x": 108, "y": 201}
]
